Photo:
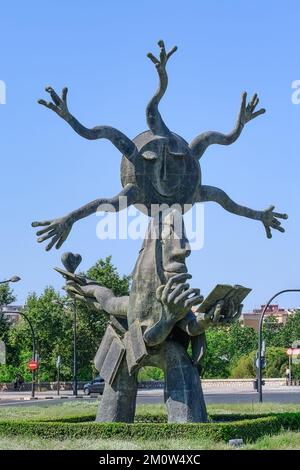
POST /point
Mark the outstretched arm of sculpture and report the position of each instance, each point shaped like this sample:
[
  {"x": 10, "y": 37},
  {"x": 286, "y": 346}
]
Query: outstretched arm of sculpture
[
  {"x": 177, "y": 298},
  {"x": 268, "y": 217},
  {"x": 154, "y": 119},
  {"x": 117, "y": 138},
  {"x": 247, "y": 113},
  {"x": 58, "y": 229},
  {"x": 98, "y": 297}
]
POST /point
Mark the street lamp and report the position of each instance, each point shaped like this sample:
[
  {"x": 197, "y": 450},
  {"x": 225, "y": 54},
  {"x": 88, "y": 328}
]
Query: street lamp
[
  {"x": 33, "y": 350},
  {"x": 12, "y": 279},
  {"x": 73, "y": 304},
  {"x": 17, "y": 279},
  {"x": 260, "y": 342}
]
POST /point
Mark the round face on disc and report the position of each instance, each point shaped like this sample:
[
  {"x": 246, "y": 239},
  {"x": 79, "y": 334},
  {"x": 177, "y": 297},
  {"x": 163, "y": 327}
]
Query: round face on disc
[{"x": 164, "y": 170}]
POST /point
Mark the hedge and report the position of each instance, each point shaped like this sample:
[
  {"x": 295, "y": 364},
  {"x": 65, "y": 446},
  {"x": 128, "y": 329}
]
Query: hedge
[{"x": 247, "y": 429}]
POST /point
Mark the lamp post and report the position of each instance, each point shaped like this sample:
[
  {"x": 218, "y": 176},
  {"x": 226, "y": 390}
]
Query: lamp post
[
  {"x": 17, "y": 279},
  {"x": 33, "y": 350},
  {"x": 260, "y": 342},
  {"x": 73, "y": 305}
]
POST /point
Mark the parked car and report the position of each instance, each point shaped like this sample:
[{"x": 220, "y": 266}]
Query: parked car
[{"x": 94, "y": 386}]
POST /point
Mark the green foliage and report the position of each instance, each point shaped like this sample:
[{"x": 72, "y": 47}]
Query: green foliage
[
  {"x": 150, "y": 373},
  {"x": 225, "y": 345},
  {"x": 276, "y": 362},
  {"x": 244, "y": 367},
  {"x": 6, "y": 295},
  {"x": 248, "y": 429},
  {"x": 291, "y": 330}
]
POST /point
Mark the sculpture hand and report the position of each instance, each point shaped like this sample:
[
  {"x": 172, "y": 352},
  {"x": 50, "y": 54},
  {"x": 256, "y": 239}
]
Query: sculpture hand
[
  {"x": 225, "y": 312},
  {"x": 164, "y": 56},
  {"x": 178, "y": 297},
  {"x": 270, "y": 220},
  {"x": 221, "y": 313},
  {"x": 84, "y": 293},
  {"x": 59, "y": 105},
  {"x": 58, "y": 230},
  {"x": 247, "y": 111}
]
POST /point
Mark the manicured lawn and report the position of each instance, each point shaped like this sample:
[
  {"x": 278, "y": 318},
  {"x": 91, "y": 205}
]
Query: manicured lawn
[{"x": 284, "y": 440}]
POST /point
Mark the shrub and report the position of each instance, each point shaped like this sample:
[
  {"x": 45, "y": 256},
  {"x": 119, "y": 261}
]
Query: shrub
[
  {"x": 248, "y": 429},
  {"x": 150, "y": 373}
]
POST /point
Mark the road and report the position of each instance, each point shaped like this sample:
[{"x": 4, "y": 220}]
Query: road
[{"x": 279, "y": 395}]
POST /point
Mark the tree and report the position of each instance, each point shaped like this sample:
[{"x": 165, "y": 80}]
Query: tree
[
  {"x": 225, "y": 345},
  {"x": 291, "y": 330},
  {"x": 272, "y": 331},
  {"x": 276, "y": 362},
  {"x": 6, "y": 295},
  {"x": 53, "y": 331}
]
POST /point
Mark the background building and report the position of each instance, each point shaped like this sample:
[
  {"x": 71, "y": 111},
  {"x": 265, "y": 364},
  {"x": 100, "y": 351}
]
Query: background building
[
  {"x": 11, "y": 312},
  {"x": 252, "y": 318}
]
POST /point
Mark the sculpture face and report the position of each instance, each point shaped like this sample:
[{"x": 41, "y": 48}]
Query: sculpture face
[{"x": 164, "y": 170}]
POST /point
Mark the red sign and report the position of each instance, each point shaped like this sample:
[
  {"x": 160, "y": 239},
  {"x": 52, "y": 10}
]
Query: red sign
[
  {"x": 293, "y": 351},
  {"x": 33, "y": 365}
]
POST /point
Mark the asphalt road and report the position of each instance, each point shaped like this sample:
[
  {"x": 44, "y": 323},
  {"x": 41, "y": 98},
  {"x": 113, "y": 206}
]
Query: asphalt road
[{"x": 156, "y": 396}]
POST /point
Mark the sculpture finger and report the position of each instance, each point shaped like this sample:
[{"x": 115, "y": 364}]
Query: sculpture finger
[
  {"x": 63, "y": 238},
  {"x": 275, "y": 222},
  {"x": 280, "y": 216},
  {"x": 217, "y": 311},
  {"x": 280, "y": 229},
  {"x": 268, "y": 231},
  {"x": 238, "y": 313},
  {"x": 255, "y": 103},
  {"x": 64, "y": 94},
  {"x": 186, "y": 294},
  {"x": 244, "y": 99},
  {"x": 56, "y": 99},
  {"x": 49, "y": 105},
  {"x": 153, "y": 58},
  {"x": 162, "y": 53},
  {"x": 258, "y": 113},
  {"x": 253, "y": 100},
  {"x": 45, "y": 230},
  {"x": 171, "y": 51},
  {"x": 40, "y": 224},
  {"x": 46, "y": 236},
  {"x": 178, "y": 289},
  {"x": 178, "y": 278},
  {"x": 52, "y": 243},
  {"x": 198, "y": 299}
]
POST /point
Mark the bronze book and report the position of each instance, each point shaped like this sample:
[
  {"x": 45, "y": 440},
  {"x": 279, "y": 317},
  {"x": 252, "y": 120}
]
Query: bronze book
[
  {"x": 223, "y": 292},
  {"x": 109, "y": 355},
  {"x": 135, "y": 346}
]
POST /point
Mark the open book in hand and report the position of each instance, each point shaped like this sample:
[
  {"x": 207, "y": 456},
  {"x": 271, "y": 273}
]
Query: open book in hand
[{"x": 223, "y": 292}]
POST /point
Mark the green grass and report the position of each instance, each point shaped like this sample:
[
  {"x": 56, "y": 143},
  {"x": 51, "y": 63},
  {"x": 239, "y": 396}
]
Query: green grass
[
  {"x": 74, "y": 408},
  {"x": 283, "y": 441}
]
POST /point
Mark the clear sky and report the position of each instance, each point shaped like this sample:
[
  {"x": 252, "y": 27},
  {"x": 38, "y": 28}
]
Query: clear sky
[{"x": 98, "y": 49}]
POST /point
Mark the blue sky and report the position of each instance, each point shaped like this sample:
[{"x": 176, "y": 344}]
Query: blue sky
[{"x": 98, "y": 49}]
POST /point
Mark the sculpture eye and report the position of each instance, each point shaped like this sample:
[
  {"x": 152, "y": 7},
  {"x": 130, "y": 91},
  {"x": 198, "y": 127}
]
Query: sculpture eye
[
  {"x": 149, "y": 155},
  {"x": 177, "y": 154}
]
